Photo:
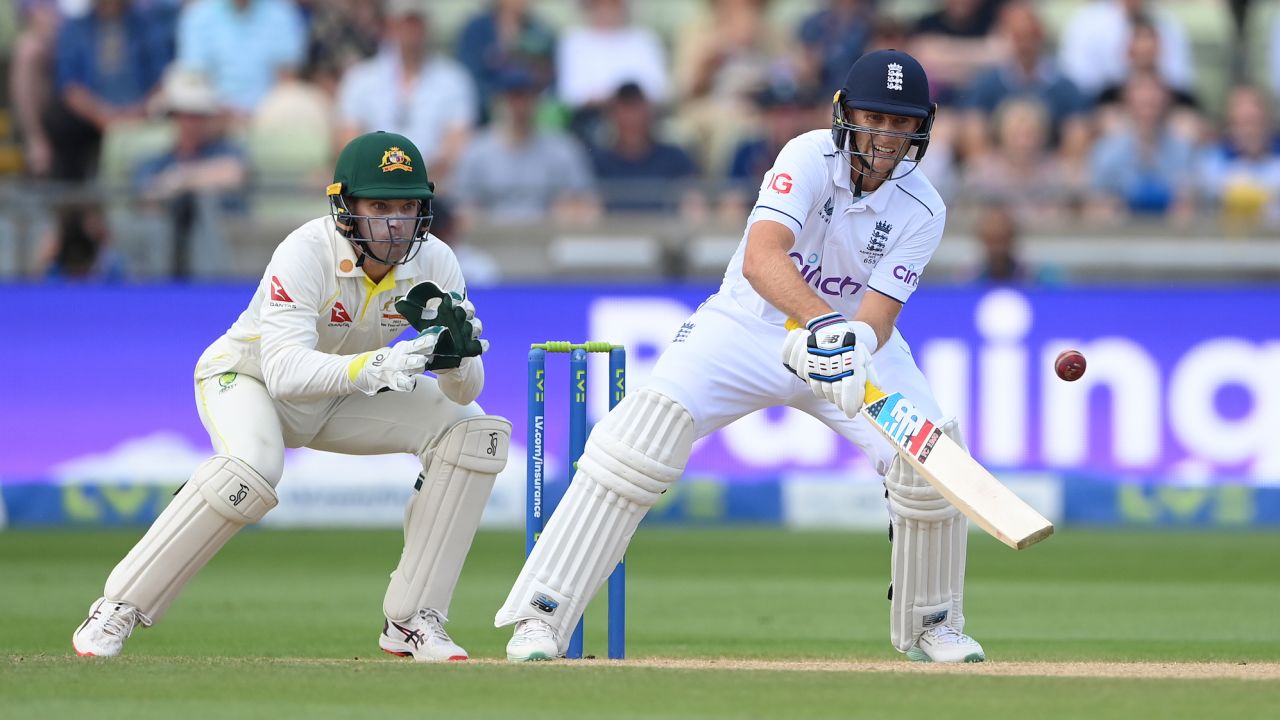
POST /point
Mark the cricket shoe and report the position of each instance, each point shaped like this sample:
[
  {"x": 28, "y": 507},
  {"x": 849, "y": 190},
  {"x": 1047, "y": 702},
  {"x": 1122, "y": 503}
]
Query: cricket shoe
[
  {"x": 103, "y": 633},
  {"x": 533, "y": 640},
  {"x": 421, "y": 637},
  {"x": 946, "y": 644}
]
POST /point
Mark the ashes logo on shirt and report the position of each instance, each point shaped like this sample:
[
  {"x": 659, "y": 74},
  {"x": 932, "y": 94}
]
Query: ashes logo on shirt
[{"x": 876, "y": 246}]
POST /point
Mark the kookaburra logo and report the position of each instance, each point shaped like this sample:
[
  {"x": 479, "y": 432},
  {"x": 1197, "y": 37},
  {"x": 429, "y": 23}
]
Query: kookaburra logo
[
  {"x": 493, "y": 444},
  {"x": 240, "y": 495},
  {"x": 895, "y": 77}
]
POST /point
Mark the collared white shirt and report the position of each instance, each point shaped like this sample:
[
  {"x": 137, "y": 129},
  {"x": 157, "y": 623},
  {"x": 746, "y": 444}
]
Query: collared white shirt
[
  {"x": 315, "y": 311},
  {"x": 844, "y": 246},
  {"x": 443, "y": 98}
]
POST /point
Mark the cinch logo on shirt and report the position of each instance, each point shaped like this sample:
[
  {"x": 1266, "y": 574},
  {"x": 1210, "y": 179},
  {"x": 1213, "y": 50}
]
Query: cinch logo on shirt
[
  {"x": 834, "y": 286},
  {"x": 338, "y": 314},
  {"x": 907, "y": 274}
]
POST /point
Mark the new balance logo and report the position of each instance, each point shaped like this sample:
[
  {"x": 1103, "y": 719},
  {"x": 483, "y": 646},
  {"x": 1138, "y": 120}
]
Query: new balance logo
[
  {"x": 544, "y": 603},
  {"x": 894, "y": 81}
]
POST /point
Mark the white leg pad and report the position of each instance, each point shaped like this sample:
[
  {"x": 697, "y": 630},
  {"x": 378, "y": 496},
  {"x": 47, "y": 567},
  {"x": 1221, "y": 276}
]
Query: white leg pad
[
  {"x": 930, "y": 539},
  {"x": 223, "y": 495},
  {"x": 631, "y": 458},
  {"x": 442, "y": 516}
]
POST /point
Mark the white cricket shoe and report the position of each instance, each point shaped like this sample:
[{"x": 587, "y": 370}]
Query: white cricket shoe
[
  {"x": 533, "y": 640},
  {"x": 421, "y": 637},
  {"x": 103, "y": 633},
  {"x": 946, "y": 644}
]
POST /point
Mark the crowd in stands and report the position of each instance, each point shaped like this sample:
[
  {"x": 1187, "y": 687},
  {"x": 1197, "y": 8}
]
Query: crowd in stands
[{"x": 1099, "y": 120}]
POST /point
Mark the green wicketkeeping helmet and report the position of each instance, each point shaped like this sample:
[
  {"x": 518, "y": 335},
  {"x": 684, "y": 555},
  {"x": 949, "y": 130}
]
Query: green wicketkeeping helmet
[{"x": 385, "y": 166}]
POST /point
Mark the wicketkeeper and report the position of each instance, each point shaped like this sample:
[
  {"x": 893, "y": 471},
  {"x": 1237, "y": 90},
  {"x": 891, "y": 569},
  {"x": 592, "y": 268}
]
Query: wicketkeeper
[
  {"x": 312, "y": 362},
  {"x": 841, "y": 233}
]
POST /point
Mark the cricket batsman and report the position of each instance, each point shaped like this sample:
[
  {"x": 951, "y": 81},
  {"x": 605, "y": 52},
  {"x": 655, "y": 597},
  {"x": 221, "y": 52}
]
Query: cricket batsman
[
  {"x": 842, "y": 231},
  {"x": 312, "y": 362}
]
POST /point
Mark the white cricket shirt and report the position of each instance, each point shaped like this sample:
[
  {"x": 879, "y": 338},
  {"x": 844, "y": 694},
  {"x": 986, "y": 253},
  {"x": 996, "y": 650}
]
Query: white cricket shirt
[{"x": 845, "y": 246}]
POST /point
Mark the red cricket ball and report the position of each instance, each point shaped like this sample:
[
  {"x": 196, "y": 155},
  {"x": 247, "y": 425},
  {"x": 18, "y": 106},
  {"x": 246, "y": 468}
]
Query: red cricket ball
[{"x": 1069, "y": 365}]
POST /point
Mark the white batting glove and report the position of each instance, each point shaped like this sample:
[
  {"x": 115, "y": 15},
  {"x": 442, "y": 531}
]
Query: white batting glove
[
  {"x": 837, "y": 365},
  {"x": 397, "y": 367},
  {"x": 795, "y": 352}
]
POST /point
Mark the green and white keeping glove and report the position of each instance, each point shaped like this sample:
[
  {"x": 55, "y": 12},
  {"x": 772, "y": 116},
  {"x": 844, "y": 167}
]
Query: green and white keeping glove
[{"x": 450, "y": 318}]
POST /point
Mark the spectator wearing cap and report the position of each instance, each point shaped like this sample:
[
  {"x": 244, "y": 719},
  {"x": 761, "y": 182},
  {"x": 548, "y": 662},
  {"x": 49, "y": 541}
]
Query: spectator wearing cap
[
  {"x": 244, "y": 47},
  {"x": 512, "y": 172},
  {"x": 108, "y": 64},
  {"x": 636, "y": 172},
  {"x": 198, "y": 181},
  {"x": 412, "y": 89},
  {"x": 504, "y": 36}
]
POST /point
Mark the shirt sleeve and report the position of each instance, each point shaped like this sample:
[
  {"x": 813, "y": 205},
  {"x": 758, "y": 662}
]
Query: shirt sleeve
[
  {"x": 898, "y": 272},
  {"x": 292, "y": 368},
  {"x": 792, "y": 185},
  {"x": 193, "y": 44},
  {"x": 290, "y": 38},
  {"x": 72, "y": 64}
]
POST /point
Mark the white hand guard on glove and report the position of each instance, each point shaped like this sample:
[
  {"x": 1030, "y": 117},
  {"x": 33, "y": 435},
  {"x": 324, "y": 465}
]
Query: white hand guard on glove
[
  {"x": 837, "y": 360},
  {"x": 395, "y": 368}
]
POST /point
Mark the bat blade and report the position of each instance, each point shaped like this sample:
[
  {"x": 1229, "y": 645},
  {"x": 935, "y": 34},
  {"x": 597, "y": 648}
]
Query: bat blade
[{"x": 953, "y": 472}]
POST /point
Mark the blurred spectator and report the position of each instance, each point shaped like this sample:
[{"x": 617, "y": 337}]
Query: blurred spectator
[
  {"x": 513, "y": 172},
  {"x": 199, "y": 180},
  {"x": 504, "y": 37},
  {"x": 720, "y": 60},
  {"x": 785, "y": 111},
  {"x": 998, "y": 233},
  {"x": 887, "y": 33},
  {"x": 478, "y": 267},
  {"x": 1241, "y": 174},
  {"x": 107, "y": 66},
  {"x": 1020, "y": 171},
  {"x": 1143, "y": 166},
  {"x": 341, "y": 34},
  {"x": 635, "y": 171},
  {"x": 1029, "y": 71},
  {"x": 410, "y": 88},
  {"x": 1094, "y": 46},
  {"x": 30, "y": 80},
  {"x": 243, "y": 46},
  {"x": 83, "y": 250},
  {"x": 1144, "y": 58},
  {"x": 832, "y": 38},
  {"x": 592, "y": 60},
  {"x": 953, "y": 43}
]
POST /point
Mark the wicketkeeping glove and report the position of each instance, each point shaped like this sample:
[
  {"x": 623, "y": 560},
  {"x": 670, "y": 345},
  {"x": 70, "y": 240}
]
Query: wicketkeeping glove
[
  {"x": 396, "y": 367},
  {"x": 450, "y": 318}
]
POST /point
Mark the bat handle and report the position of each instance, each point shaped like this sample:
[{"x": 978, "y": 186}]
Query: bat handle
[{"x": 872, "y": 393}]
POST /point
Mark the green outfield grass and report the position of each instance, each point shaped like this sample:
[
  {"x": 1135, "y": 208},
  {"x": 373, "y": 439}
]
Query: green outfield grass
[{"x": 284, "y": 624}]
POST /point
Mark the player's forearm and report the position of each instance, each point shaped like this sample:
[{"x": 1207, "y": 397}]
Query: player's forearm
[
  {"x": 773, "y": 275},
  {"x": 463, "y": 385},
  {"x": 299, "y": 374}
]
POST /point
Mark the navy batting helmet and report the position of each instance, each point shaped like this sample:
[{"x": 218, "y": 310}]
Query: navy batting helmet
[{"x": 890, "y": 82}]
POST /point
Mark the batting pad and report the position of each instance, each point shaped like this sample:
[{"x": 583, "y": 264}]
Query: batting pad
[
  {"x": 930, "y": 539},
  {"x": 631, "y": 458},
  {"x": 223, "y": 495},
  {"x": 441, "y": 518}
]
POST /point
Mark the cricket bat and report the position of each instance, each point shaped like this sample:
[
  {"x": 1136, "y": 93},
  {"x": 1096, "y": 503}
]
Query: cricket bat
[{"x": 953, "y": 472}]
